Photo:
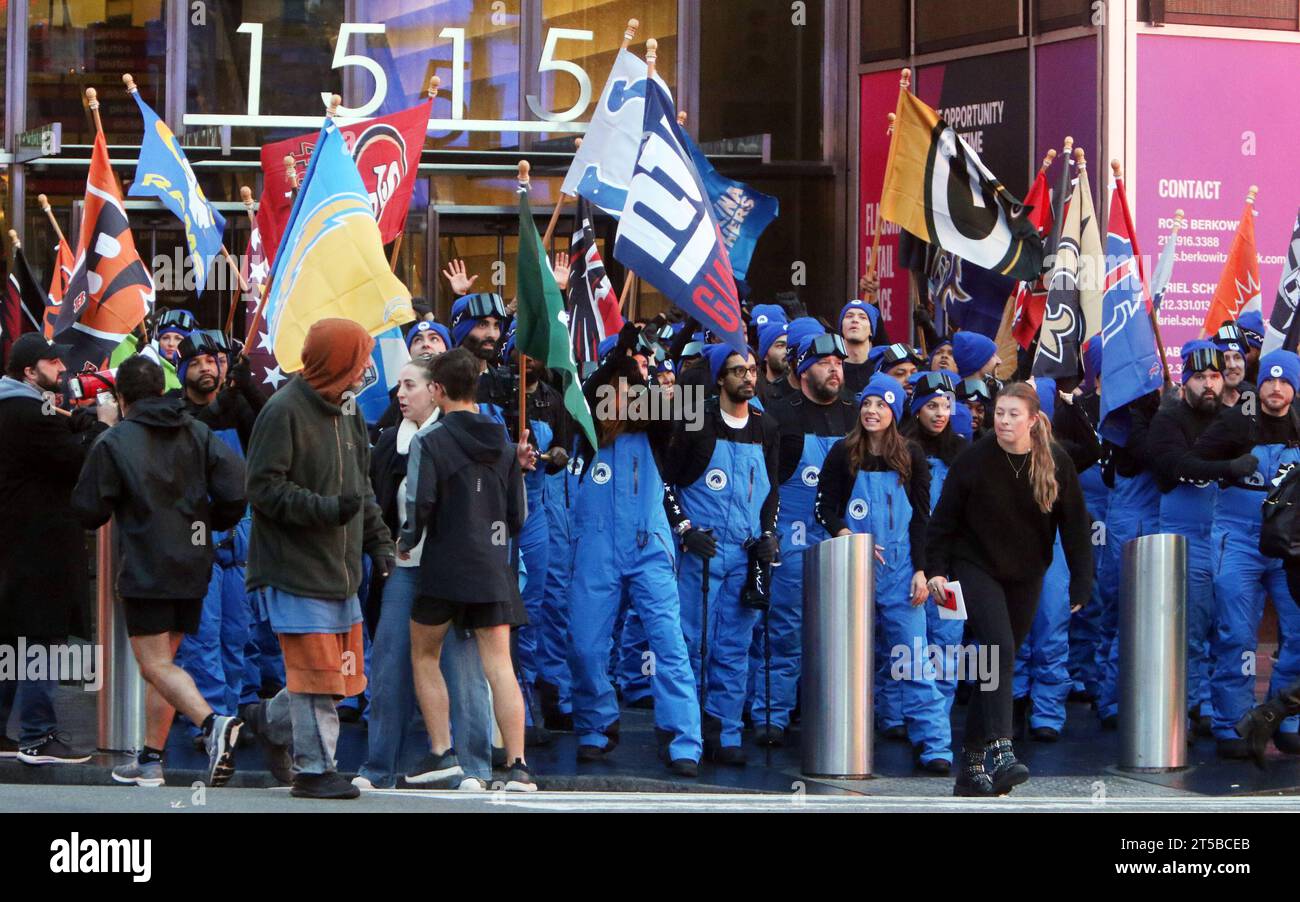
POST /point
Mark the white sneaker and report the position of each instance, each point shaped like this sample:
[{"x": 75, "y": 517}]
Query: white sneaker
[
  {"x": 472, "y": 784},
  {"x": 362, "y": 783}
]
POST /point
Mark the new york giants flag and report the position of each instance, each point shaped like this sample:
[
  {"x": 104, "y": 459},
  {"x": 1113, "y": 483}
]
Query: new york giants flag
[
  {"x": 1130, "y": 361},
  {"x": 667, "y": 234}
]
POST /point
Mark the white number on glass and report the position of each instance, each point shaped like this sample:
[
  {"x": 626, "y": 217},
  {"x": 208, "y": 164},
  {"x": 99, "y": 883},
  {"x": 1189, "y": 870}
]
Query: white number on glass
[
  {"x": 549, "y": 63},
  {"x": 343, "y": 58},
  {"x": 457, "y": 36},
  {"x": 254, "y": 30}
]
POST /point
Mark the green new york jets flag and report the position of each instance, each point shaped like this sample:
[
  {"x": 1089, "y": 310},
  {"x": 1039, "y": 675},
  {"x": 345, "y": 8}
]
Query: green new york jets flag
[{"x": 541, "y": 325}]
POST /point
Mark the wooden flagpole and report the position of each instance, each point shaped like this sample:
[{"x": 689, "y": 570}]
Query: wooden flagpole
[
  {"x": 291, "y": 176},
  {"x": 45, "y": 208},
  {"x": 524, "y": 168}
]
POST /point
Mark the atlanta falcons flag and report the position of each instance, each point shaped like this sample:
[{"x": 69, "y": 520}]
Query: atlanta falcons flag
[
  {"x": 593, "y": 305},
  {"x": 110, "y": 290}
]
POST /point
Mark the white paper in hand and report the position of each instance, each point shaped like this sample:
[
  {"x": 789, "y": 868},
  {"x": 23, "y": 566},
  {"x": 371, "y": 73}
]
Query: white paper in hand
[{"x": 953, "y": 607}]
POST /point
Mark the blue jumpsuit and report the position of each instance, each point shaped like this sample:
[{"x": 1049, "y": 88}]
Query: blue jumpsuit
[
  {"x": 1043, "y": 659},
  {"x": 1241, "y": 577},
  {"x": 1134, "y": 511},
  {"x": 552, "y": 650},
  {"x": 879, "y": 505},
  {"x": 726, "y": 499},
  {"x": 534, "y": 548},
  {"x": 627, "y": 544},
  {"x": 1188, "y": 510},
  {"x": 799, "y": 531},
  {"x": 1085, "y": 626}
]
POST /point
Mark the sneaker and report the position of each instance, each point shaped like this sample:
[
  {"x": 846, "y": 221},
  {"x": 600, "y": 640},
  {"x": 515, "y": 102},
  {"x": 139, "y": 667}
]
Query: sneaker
[
  {"x": 438, "y": 772},
  {"x": 332, "y": 785},
  {"x": 558, "y": 722},
  {"x": 221, "y": 749},
  {"x": 520, "y": 778},
  {"x": 278, "y": 757},
  {"x": 8, "y": 748},
  {"x": 895, "y": 734},
  {"x": 472, "y": 784},
  {"x": 362, "y": 783},
  {"x": 137, "y": 774},
  {"x": 51, "y": 750}
]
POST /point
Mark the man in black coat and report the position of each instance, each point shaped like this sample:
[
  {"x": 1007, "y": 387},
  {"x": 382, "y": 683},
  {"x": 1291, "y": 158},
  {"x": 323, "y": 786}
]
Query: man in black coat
[{"x": 43, "y": 563}]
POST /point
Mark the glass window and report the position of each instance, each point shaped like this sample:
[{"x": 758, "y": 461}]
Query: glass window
[
  {"x": 1279, "y": 14},
  {"x": 789, "y": 239},
  {"x": 761, "y": 73},
  {"x": 883, "y": 30},
  {"x": 941, "y": 24},
  {"x": 1051, "y": 14},
  {"x": 77, "y": 44}
]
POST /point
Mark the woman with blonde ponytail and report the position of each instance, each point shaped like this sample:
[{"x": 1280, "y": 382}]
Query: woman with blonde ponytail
[{"x": 993, "y": 530}]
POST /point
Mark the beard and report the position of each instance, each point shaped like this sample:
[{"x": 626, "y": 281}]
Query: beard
[
  {"x": 744, "y": 393},
  {"x": 823, "y": 391},
  {"x": 780, "y": 366},
  {"x": 45, "y": 383},
  {"x": 204, "y": 384},
  {"x": 483, "y": 350},
  {"x": 1208, "y": 402}
]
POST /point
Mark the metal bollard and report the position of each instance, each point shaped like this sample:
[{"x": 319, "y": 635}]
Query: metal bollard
[
  {"x": 121, "y": 697},
  {"x": 1153, "y": 654},
  {"x": 839, "y": 592}
]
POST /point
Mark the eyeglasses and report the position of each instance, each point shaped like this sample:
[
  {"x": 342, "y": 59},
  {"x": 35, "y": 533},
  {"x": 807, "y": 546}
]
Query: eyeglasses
[
  {"x": 1205, "y": 359},
  {"x": 824, "y": 345},
  {"x": 182, "y": 319},
  {"x": 741, "y": 371}
]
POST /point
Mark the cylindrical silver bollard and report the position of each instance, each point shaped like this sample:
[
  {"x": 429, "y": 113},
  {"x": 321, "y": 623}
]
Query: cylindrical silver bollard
[
  {"x": 839, "y": 590},
  {"x": 1153, "y": 654},
  {"x": 121, "y": 696}
]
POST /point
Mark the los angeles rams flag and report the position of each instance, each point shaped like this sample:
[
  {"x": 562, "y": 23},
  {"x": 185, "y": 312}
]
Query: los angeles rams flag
[
  {"x": 667, "y": 234},
  {"x": 331, "y": 261},
  {"x": 937, "y": 188},
  {"x": 164, "y": 173}
]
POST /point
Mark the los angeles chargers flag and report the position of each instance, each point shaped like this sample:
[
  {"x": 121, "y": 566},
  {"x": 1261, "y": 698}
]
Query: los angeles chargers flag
[
  {"x": 164, "y": 173},
  {"x": 1130, "y": 360},
  {"x": 741, "y": 212},
  {"x": 331, "y": 261},
  {"x": 667, "y": 234}
]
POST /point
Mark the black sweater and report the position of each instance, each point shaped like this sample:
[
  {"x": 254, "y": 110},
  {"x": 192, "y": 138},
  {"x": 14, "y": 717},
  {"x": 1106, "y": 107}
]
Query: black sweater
[
  {"x": 1173, "y": 432},
  {"x": 987, "y": 516},
  {"x": 1234, "y": 433},
  {"x": 836, "y": 487}
]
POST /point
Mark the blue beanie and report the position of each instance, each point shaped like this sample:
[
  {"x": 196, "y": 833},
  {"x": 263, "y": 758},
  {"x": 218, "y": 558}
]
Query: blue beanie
[
  {"x": 1284, "y": 365},
  {"x": 803, "y": 365},
  {"x": 606, "y": 345},
  {"x": 870, "y": 309},
  {"x": 889, "y": 389},
  {"x": 717, "y": 356},
  {"x": 461, "y": 322},
  {"x": 800, "y": 329},
  {"x": 874, "y": 356},
  {"x": 971, "y": 351},
  {"x": 665, "y": 366},
  {"x": 767, "y": 336},
  {"x": 425, "y": 325},
  {"x": 1252, "y": 323},
  {"x": 1046, "y": 389},
  {"x": 1231, "y": 344},
  {"x": 961, "y": 420},
  {"x": 766, "y": 314},
  {"x": 942, "y": 343},
  {"x": 1199, "y": 344}
]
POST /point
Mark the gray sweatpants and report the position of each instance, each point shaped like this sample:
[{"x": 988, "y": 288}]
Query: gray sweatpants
[{"x": 307, "y": 723}]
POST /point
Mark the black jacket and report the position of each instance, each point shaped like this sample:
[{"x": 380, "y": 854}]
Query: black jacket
[
  {"x": 43, "y": 566},
  {"x": 168, "y": 482},
  {"x": 465, "y": 493},
  {"x": 1173, "y": 432}
]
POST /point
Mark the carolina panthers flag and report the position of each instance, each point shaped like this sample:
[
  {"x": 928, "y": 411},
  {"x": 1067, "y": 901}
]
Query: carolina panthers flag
[
  {"x": 1130, "y": 359},
  {"x": 667, "y": 234},
  {"x": 937, "y": 189},
  {"x": 164, "y": 173}
]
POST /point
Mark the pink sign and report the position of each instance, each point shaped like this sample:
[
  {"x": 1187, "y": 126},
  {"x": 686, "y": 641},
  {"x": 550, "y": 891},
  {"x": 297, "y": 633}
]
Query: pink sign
[
  {"x": 1214, "y": 116},
  {"x": 879, "y": 99}
]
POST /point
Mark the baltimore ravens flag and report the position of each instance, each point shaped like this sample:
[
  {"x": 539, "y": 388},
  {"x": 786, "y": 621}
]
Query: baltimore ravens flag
[
  {"x": 110, "y": 290},
  {"x": 164, "y": 173},
  {"x": 667, "y": 234},
  {"x": 937, "y": 189},
  {"x": 331, "y": 262}
]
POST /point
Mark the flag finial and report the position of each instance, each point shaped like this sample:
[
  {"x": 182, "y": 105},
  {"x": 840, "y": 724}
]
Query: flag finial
[
  {"x": 681, "y": 118},
  {"x": 1069, "y": 148},
  {"x": 13, "y": 239},
  {"x": 129, "y": 81},
  {"x": 1047, "y": 160},
  {"x": 524, "y": 167},
  {"x": 1080, "y": 158},
  {"x": 577, "y": 144},
  {"x": 630, "y": 32},
  {"x": 889, "y": 130},
  {"x": 335, "y": 101},
  {"x": 246, "y": 196},
  {"x": 905, "y": 80},
  {"x": 44, "y": 202},
  {"x": 290, "y": 170},
  {"x": 434, "y": 82},
  {"x": 1178, "y": 218},
  {"x": 1250, "y": 195},
  {"x": 1117, "y": 168},
  {"x": 651, "y": 54}
]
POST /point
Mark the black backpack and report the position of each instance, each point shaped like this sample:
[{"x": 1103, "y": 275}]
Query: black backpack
[{"x": 1279, "y": 533}]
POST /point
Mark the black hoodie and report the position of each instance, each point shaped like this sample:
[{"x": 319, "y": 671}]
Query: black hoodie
[
  {"x": 169, "y": 483},
  {"x": 465, "y": 490}
]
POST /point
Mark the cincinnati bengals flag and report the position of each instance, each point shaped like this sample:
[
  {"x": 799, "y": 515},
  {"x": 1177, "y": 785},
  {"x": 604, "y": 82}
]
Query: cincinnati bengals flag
[
  {"x": 110, "y": 290},
  {"x": 63, "y": 263}
]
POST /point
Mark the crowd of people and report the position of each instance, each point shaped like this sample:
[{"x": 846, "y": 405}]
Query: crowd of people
[{"x": 471, "y": 587}]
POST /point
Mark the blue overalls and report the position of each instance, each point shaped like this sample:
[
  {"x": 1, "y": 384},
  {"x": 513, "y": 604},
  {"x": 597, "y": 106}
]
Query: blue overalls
[
  {"x": 1241, "y": 577},
  {"x": 534, "y": 548},
  {"x": 552, "y": 651},
  {"x": 799, "y": 531},
  {"x": 627, "y": 545},
  {"x": 1043, "y": 659},
  {"x": 1134, "y": 511},
  {"x": 1188, "y": 510},
  {"x": 947, "y": 634},
  {"x": 1086, "y": 650},
  {"x": 727, "y": 500},
  {"x": 879, "y": 505}
]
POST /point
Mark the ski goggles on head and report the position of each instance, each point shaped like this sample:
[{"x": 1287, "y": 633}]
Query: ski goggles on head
[
  {"x": 1230, "y": 337},
  {"x": 824, "y": 345},
  {"x": 899, "y": 353},
  {"x": 974, "y": 389},
  {"x": 1204, "y": 359},
  {"x": 932, "y": 382},
  {"x": 179, "y": 319},
  {"x": 484, "y": 304},
  {"x": 204, "y": 341}
]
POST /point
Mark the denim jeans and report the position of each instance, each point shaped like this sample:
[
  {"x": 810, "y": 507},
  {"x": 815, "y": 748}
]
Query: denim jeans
[
  {"x": 397, "y": 738},
  {"x": 34, "y": 700}
]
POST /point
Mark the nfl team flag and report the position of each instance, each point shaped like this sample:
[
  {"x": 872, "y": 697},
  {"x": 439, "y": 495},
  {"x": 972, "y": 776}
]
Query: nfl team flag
[
  {"x": 1238, "y": 289},
  {"x": 741, "y": 212},
  {"x": 1288, "y": 295},
  {"x": 593, "y": 306},
  {"x": 164, "y": 173},
  {"x": 667, "y": 234}
]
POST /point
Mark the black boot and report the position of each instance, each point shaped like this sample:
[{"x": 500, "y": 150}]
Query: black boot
[
  {"x": 971, "y": 780},
  {"x": 1008, "y": 772},
  {"x": 1260, "y": 724}
]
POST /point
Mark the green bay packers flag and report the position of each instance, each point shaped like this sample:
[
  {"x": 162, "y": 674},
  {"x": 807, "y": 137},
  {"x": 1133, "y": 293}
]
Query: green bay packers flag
[{"x": 937, "y": 189}]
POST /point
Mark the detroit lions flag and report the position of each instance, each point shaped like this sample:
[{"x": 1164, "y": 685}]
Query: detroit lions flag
[
  {"x": 1130, "y": 362},
  {"x": 164, "y": 173},
  {"x": 667, "y": 234}
]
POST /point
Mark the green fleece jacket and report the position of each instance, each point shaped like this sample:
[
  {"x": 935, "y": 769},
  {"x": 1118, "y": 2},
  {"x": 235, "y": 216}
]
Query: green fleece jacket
[{"x": 303, "y": 455}]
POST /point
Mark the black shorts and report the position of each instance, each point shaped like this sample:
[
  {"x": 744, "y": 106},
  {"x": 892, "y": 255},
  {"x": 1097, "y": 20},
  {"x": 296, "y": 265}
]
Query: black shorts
[
  {"x": 151, "y": 616},
  {"x": 429, "y": 611}
]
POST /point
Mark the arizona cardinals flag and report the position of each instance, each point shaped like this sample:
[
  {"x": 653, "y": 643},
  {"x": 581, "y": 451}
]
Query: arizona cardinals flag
[
  {"x": 593, "y": 305},
  {"x": 110, "y": 290},
  {"x": 1238, "y": 288},
  {"x": 63, "y": 262},
  {"x": 387, "y": 153},
  {"x": 23, "y": 305}
]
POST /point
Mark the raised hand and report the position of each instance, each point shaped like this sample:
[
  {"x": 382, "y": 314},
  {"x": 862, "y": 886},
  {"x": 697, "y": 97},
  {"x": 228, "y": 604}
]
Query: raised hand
[{"x": 455, "y": 274}]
